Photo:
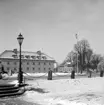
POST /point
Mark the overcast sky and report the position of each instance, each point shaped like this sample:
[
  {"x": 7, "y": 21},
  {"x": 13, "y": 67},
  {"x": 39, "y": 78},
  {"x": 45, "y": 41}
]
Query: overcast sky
[{"x": 51, "y": 25}]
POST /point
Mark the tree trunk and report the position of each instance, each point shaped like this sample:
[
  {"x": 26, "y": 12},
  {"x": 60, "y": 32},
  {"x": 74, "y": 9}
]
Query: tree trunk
[{"x": 81, "y": 69}]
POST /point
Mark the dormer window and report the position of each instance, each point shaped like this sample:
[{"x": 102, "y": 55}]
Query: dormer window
[
  {"x": 39, "y": 57},
  {"x": 44, "y": 57},
  {"x": 27, "y": 56},
  {"x": 33, "y": 57},
  {"x": 14, "y": 56}
]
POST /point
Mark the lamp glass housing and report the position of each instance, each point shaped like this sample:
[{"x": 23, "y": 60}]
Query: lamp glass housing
[{"x": 20, "y": 39}]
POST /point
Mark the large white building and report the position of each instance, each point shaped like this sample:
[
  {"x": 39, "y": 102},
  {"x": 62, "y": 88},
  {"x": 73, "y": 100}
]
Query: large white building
[{"x": 31, "y": 61}]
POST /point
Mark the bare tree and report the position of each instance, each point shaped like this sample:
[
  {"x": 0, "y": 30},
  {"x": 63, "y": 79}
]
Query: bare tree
[
  {"x": 82, "y": 47},
  {"x": 95, "y": 59},
  {"x": 71, "y": 57},
  {"x": 86, "y": 59}
]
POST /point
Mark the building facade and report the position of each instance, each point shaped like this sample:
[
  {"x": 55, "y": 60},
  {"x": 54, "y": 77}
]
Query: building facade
[
  {"x": 65, "y": 67},
  {"x": 32, "y": 62}
]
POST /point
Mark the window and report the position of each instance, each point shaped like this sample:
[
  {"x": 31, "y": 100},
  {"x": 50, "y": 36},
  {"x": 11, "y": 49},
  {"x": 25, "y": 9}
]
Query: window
[
  {"x": 8, "y": 63},
  {"x": 39, "y": 69},
  {"x": 33, "y": 68},
  {"x": 33, "y": 63},
  {"x": 15, "y": 63},
  {"x": 27, "y": 68},
  {"x": 49, "y": 63},
  {"x": 15, "y": 69},
  {"x": 8, "y": 68},
  {"x": 44, "y": 63},
  {"x": 44, "y": 69},
  {"x": 27, "y": 63},
  {"x": 39, "y": 63}
]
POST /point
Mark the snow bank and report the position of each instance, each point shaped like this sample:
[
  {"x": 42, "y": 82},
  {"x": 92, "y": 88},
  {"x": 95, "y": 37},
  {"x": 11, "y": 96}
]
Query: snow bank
[
  {"x": 14, "y": 82},
  {"x": 42, "y": 74}
]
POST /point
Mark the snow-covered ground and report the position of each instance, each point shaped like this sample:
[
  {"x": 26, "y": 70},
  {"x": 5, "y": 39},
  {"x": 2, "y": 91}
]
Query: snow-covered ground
[{"x": 83, "y": 91}]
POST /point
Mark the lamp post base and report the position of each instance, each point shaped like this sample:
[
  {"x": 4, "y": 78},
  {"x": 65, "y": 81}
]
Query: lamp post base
[{"x": 20, "y": 77}]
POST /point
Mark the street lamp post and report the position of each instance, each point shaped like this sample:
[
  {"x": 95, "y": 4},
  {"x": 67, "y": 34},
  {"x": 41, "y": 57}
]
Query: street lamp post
[
  {"x": 77, "y": 52},
  {"x": 20, "y": 73}
]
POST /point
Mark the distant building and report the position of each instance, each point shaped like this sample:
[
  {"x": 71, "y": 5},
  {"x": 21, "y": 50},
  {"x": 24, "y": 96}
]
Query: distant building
[
  {"x": 65, "y": 67},
  {"x": 32, "y": 62}
]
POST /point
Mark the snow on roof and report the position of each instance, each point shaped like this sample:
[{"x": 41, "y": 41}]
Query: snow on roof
[{"x": 25, "y": 55}]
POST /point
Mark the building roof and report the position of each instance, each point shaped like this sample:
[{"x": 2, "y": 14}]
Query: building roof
[{"x": 14, "y": 54}]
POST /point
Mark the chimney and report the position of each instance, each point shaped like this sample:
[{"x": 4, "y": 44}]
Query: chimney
[{"x": 39, "y": 52}]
